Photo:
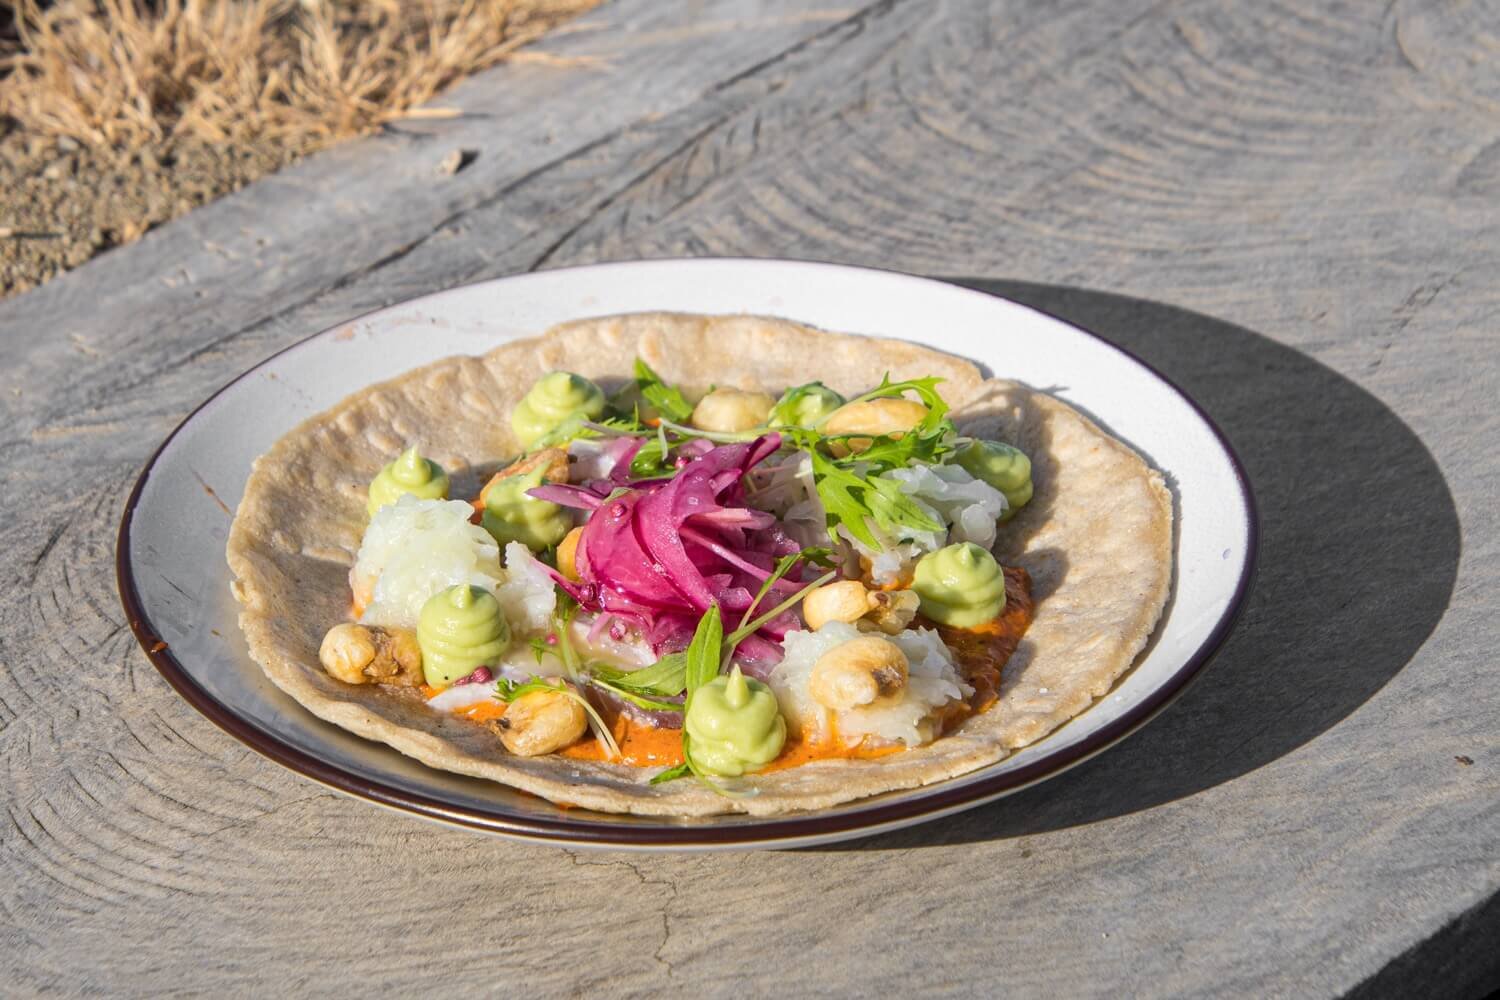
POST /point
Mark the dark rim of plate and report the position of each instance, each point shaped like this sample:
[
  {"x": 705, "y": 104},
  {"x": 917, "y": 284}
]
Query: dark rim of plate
[{"x": 851, "y": 820}]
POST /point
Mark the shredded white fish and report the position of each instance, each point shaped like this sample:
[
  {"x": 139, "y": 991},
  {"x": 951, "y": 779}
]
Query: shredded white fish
[
  {"x": 970, "y": 507},
  {"x": 527, "y": 596},
  {"x": 414, "y": 549},
  {"x": 461, "y": 696},
  {"x": 589, "y": 461},
  {"x": 933, "y": 682}
]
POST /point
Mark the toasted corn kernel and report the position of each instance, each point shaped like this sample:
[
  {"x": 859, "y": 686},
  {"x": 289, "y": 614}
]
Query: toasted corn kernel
[
  {"x": 859, "y": 672},
  {"x": 541, "y": 722}
]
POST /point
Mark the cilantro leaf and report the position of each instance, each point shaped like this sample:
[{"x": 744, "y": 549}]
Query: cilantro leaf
[
  {"x": 818, "y": 555},
  {"x": 926, "y": 390},
  {"x": 894, "y": 509},
  {"x": 887, "y": 452},
  {"x": 842, "y": 495},
  {"x": 850, "y": 487},
  {"x": 667, "y": 399},
  {"x": 850, "y": 498},
  {"x": 929, "y": 441},
  {"x": 654, "y": 458}
]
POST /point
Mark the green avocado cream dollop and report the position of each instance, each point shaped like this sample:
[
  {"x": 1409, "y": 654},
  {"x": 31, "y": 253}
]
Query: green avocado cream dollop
[
  {"x": 554, "y": 398},
  {"x": 805, "y": 405},
  {"x": 409, "y": 473},
  {"x": 960, "y": 585},
  {"x": 735, "y": 725},
  {"x": 1003, "y": 467},
  {"x": 512, "y": 516},
  {"x": 459, "y": 629}
]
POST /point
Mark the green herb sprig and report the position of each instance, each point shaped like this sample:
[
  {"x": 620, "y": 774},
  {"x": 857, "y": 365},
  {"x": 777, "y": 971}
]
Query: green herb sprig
[
  {"x": 711, "y": 651},
  {"x": 701, "y": 665},
  {"x": 854, "y": 498},
  {"x": 646, "y": 687},
  {"x": 749, "y": 623},
  {"x": 925, "y": 388},
  {"x": 850, "y": 487},
  {"x": 666, "y": 678},
  {"x": 668, "y": 399}
]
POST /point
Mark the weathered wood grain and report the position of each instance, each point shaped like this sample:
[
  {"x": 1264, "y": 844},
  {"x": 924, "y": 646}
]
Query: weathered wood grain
[{"x": 1324, "y": 175}]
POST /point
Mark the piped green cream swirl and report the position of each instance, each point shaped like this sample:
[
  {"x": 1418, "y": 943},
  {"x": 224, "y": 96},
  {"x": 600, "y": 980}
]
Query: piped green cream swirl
[
  {"x": 554, "y": 398},
  {"x": 409, "y": 473},
  {"x": 805, "y": 405},
  {"x": 960, "y": 585},
  {"x": 1002, "y": 466},
  {"x": 735, "y": 725},
  {"x": 510, "y": 515},
  {"x": 459, "y": 629}
]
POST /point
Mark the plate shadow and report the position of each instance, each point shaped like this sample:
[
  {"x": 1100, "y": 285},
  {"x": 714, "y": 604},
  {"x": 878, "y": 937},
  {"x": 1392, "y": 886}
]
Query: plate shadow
[{"x": 1359, "y": 549}]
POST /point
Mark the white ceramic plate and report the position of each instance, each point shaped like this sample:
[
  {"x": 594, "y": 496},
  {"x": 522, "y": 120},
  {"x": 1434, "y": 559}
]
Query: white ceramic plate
[{"x": 175, "y": 583}]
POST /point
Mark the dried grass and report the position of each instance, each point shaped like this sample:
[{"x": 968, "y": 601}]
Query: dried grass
[{"x": 125, "y": 75}]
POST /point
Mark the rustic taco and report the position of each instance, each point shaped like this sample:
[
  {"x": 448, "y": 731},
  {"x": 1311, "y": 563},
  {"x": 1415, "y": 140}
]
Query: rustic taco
[{"x": 683, "y": 565}]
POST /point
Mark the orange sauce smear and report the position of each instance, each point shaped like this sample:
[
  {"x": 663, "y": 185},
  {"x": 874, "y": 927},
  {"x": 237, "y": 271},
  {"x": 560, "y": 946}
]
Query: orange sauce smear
[
  {"x": 645, "y": 746},
  {"x": 981, "y": 653},
  {"x": 484, "y": 711},
  {"x": 640, "y": 745},
  {"x": 797, "y": 752}
]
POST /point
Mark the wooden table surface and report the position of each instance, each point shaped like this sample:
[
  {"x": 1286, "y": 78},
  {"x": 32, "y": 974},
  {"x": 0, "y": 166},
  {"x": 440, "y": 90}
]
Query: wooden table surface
[{"x": 1291, "y": 208}]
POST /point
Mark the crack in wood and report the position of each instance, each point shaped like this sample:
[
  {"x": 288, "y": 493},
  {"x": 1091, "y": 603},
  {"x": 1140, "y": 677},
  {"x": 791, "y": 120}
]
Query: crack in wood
[
  {"x": 665, "y": 913},
  {"x": 47, "y": 547},
  {"x": 635, "y": 182},
  {"x": 854, "y": 24}
]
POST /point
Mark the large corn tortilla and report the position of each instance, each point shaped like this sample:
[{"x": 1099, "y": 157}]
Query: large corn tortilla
[{"x": 1096, "y": 538}]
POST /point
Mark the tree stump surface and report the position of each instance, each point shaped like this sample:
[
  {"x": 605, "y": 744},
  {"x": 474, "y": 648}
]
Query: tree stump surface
[{"x": 1292, "y": 209}]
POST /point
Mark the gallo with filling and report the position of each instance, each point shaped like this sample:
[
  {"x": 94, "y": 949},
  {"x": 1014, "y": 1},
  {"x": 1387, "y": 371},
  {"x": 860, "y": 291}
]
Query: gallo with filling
[{"x": 708, "y": 586}]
